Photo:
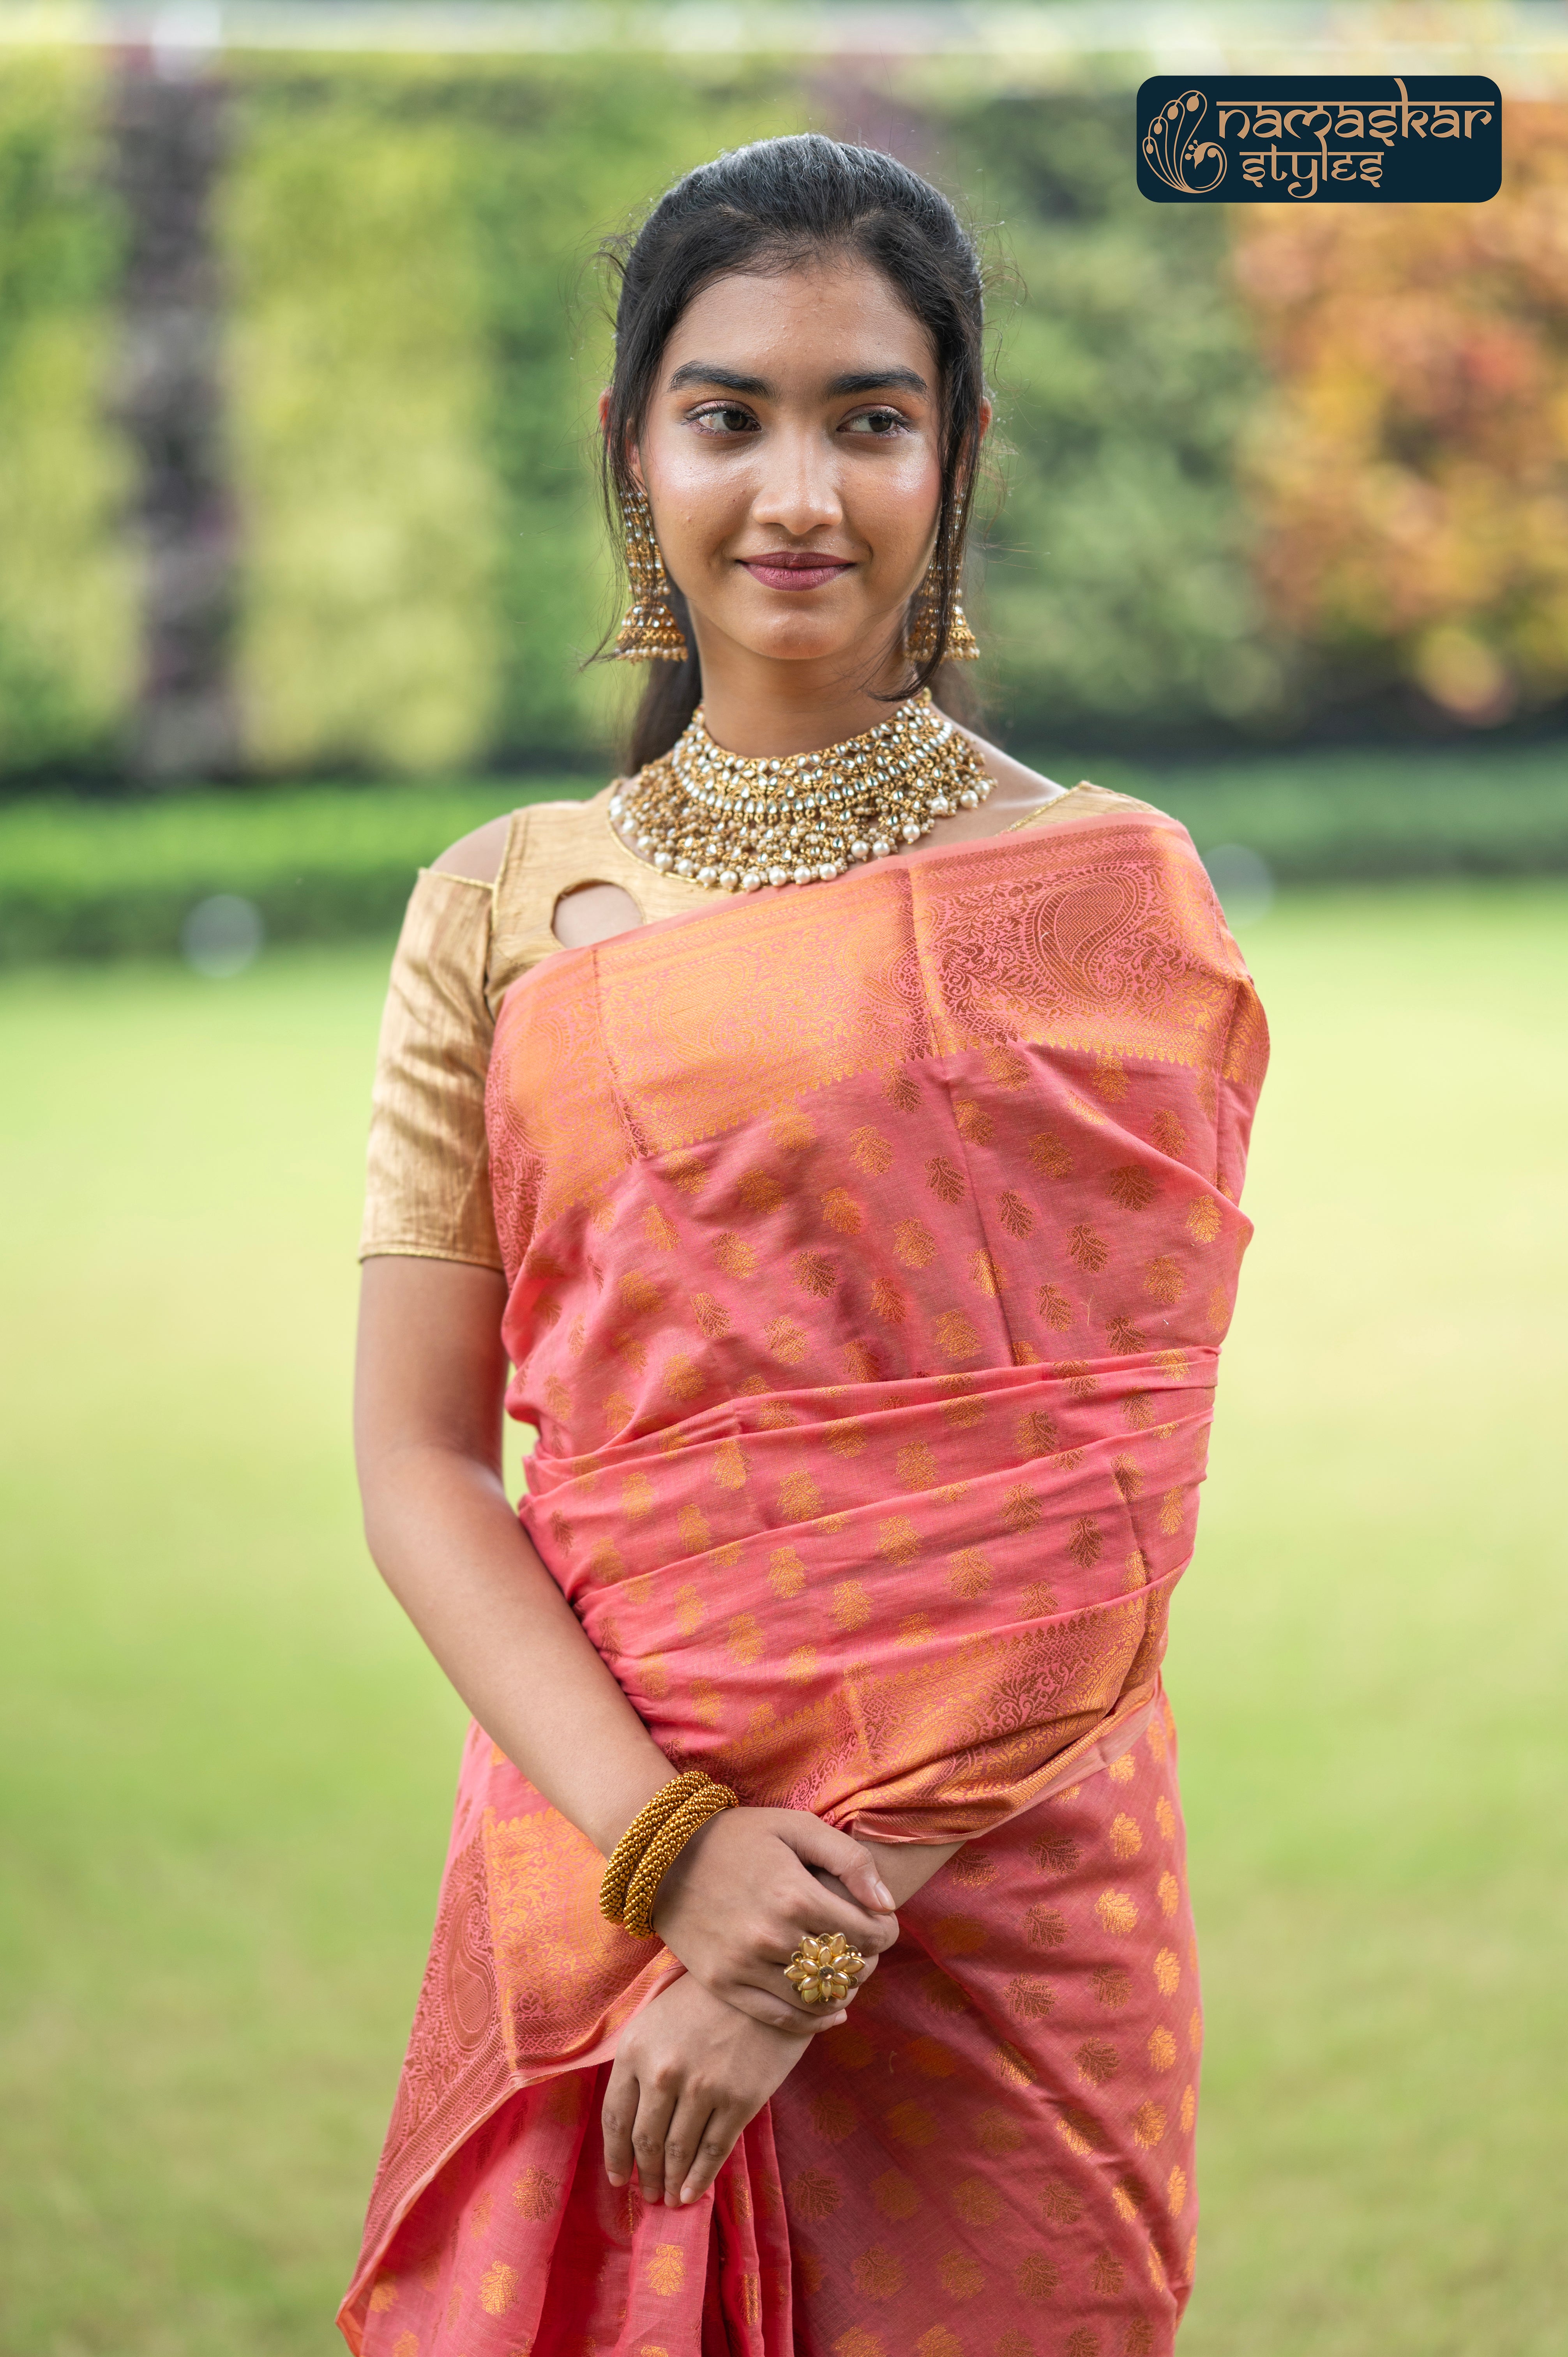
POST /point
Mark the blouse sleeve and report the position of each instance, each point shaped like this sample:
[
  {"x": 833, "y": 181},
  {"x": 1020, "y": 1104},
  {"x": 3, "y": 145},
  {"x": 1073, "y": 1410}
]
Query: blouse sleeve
[{"x": 428, "y": 1188}]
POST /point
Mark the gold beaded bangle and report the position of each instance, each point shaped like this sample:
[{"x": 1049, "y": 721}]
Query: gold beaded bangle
[
  {"x": 663, "y": 1850},
  {"x": 627, "y": 1851}
]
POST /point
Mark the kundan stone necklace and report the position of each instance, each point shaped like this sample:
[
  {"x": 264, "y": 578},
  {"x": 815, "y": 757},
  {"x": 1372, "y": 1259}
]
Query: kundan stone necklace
[{"x": 733, "y": 823}]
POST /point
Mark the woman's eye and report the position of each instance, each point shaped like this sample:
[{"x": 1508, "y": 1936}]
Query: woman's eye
[
  {"x": 883, "y": 423},
  {"x": 727, "y": 418}
]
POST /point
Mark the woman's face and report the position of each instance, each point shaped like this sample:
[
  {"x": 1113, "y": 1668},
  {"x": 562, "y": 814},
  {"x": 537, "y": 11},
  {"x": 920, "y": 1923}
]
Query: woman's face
[{"x": 790, "y": 454}]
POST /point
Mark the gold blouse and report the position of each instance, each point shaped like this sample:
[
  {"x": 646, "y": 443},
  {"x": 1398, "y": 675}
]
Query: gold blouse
[{"x": 462, "y": 943}]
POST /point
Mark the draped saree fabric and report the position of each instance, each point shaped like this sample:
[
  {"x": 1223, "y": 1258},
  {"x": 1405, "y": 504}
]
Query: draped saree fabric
[{"x": 868, "y": 1250}]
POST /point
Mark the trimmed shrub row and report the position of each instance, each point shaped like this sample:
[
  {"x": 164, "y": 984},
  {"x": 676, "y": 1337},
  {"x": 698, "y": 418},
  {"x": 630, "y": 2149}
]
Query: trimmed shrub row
[{"x": 92, "y": 880}]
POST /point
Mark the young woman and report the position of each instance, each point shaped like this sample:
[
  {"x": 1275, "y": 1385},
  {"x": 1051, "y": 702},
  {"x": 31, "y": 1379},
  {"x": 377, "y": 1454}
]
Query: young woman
[{"x": 839, "y": 1129}]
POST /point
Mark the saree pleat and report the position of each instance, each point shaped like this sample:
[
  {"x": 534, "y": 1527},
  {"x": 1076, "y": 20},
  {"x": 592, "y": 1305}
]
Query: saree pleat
[{"x": 868, "y": 1256}]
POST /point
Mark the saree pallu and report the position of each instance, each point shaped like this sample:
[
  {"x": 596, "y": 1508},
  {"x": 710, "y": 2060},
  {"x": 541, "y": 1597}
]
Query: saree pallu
[{"x": 868, "y": 1256}]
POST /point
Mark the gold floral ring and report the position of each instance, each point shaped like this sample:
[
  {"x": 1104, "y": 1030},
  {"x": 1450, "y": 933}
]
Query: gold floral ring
[{"x": 824, "y": 1968}]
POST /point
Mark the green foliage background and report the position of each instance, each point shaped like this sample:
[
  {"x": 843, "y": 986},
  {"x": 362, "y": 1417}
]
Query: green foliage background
[
  {"x": 416, "y": 343},
  {"x": 67, "y": 620}
]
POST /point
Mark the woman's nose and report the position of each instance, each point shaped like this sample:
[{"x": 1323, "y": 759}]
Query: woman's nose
[{"x": 799, "y": 493}]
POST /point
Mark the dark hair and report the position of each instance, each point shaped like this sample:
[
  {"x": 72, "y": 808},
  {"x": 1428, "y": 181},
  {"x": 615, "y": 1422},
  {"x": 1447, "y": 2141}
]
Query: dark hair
[{"x": 770, "y": 206}]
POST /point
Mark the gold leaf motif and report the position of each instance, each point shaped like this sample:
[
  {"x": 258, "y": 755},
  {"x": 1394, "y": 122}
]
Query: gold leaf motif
[
  {"x": 1084, "y": 1543},
  {"x": 711, "y": 1316},
  {"x": 792, "y": 1129},
  {"x": 1040, "y": 1601},
  {"x": 383, "y": 2296},
  {"x": 693, "y": 1525},
  {"x": 1006, "y": 1066},
  {"x": 955, "y": 1336},
  {"x": 960, "y": 1411},
  {"x": 1131, "y": 1187},
  {"x": 886, "y": 1302},
  {"x": 945, "y": 1179},
  {"x": 862, "y": 1363},
  {"x": 977, "y": 2202},
  {"x": 535, "y": 2193},
  {"x": 876, "y": 2274},
  {"x": 1171, "y": 1510},
  {"x": 688, "y": 1610},
  {"x": 686, "y": 1171},
  {"x": 498, "y": 2286},
  {"x": 915, "y": 1466},
  {"x": 1050, "y": 1155},
  {"x": 892, "y": 2192},
  {"x": 1134, "y": 1571},
  {"x": 1053, "y": 1308},
  {"x": 845, "y": 1438},
  {"x": 1036, "y": 2279},
  {"x": 842, "y": 1212},
  {"x": 815, "y": 1274},
  {"x": 798, "y": 1496},
  {"x": 638, "y": 1496},
  {"x": 557, "y": 1398},
  {"x": 1045, "y": 1927},
  {"x": 914, "y": 1243},
  {"x": 1127, "y": 1476},
  {"x": 898, "y": 1540},
  {"x": 1106, "y": 2274},
  {"x": 606, "y": 1564},
  {"x": 1097, "y": 2062},
  {"x": 1162, "y": 2049},
  {"x": 1109, "y": 1082},
  {"x": 729, "y": 1464},
  {"x": 659, "y": 1230},
  {"x": 681, "y": 1379},
  {"x": 1195, "y": 2031},
  {"x": 1137, "y": 1411},
  {"x": 969, "y": 1574},
  {"x": 869, "y": 1151},
  {"x": 758, "y": 1191},
  {"x": 1087, "y": 1248},
  {"x": 983, "y": 1273},
  {"x": 1117, "y": 1914},
  {"x": 1013, "y": 1212},
  {"x": 1123, "y": 1337},
  {"x": 997, "y": 2133},
  {"x": 632, "y": 1349},
  {"x": 936, "y": 2342},
  {"x": 1165, "y": 1817},
  {"x": 1164, "y": 1281},
  {"x": 1149, "y": 2123},
  {"x": 1112, "y": 1984},
  {"x": 734, "y": 1254},
  {"x": 900, "y": 1091},
  {"x": 1169, "y": 1894},
  {"x": 786, "y": 1339},
  {"x": 1062, "y": 2204},
  {"x": 851, "y": 1606},
  {"x": 1167, "y": 1133},
  {"x": 638, "y": 1292},
  {"x": 1029, "y": 1998},
  {"x": 1167, "y": 1972},
  {"x": 1020, "y": 1509},
  {"x": 800, "y": 1661},
  {"x": 960, "y": 2277},
  {"x": 1203, "y": 1220},
  {"x": 785, "y": 1573},
  {"x": 1122, "y": 1769},
  {"x": 667, "y": 2269},
  {"x": 973, "y": 1121},
  {"x": 1175, "y": 2191},
  {"x": 815, "y": 2195},
  {"x": 1126, "y": 1840},
  {"x": 744, "y": 1638}
]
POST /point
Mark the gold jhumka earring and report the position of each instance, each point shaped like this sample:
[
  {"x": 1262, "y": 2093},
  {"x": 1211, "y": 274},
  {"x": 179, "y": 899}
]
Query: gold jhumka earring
[
  {"x": 649, "y": 633},
  {"x": 920, "y": 633}
]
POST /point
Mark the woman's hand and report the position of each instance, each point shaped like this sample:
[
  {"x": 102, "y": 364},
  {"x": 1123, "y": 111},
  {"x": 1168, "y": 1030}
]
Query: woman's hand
[
  {"x": 690, "y": 2073},
  {"x": 736, "y": 1904}
]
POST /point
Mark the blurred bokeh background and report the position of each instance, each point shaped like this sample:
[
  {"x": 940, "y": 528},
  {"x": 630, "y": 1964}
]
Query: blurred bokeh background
[{"x": 300, "y": 560}]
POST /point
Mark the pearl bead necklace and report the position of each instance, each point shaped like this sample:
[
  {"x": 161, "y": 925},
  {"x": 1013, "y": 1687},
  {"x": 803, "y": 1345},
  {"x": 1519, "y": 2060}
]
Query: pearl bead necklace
[{"x": 733, "y": 823}]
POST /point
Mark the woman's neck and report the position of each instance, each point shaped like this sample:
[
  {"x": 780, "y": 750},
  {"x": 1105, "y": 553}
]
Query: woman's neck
[{"x": 762, "y": 706}]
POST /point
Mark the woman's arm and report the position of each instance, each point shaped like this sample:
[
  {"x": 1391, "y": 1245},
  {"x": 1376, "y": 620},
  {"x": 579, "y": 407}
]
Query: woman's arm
[{"x": 428, "y": 1396}]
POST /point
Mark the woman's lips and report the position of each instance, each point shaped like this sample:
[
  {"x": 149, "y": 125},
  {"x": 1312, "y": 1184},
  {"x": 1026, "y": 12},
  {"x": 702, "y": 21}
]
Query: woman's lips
[{"x": 795, "y": 572}]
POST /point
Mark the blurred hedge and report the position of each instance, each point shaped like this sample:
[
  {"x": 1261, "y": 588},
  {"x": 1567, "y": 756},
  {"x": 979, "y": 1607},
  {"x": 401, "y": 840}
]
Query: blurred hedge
[
  {"x": 66, "y": 618},
  {"x": 84, "y": 880}
]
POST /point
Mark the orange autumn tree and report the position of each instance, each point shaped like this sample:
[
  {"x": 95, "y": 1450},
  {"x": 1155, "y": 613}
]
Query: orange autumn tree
[{"x": 1409, "y": 471}]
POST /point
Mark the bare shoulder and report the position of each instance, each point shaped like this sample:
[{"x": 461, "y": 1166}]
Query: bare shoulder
[
  {"x": 1017, "y": 790},
  {"x": 478, "y": 855}
]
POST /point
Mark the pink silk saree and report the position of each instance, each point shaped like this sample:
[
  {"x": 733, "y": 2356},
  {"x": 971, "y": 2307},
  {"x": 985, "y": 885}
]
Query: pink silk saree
[{"x": 869, "y": 1251}]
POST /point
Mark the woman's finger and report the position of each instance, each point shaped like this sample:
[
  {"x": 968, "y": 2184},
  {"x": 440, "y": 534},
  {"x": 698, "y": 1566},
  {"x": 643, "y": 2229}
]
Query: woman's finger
[
  {"x": 684, "y": 2139},
  {"x": 615, "y": 2118},
  {"x": 715, "y": 2146},
  {"x": 655, "y": 2106},
  {"x": 760, "y": 2001},
  {"x": 819, "y": 1845}
]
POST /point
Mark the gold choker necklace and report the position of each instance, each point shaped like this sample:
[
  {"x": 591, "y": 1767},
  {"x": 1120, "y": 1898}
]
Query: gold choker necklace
[{"x": 733, "y": 823}]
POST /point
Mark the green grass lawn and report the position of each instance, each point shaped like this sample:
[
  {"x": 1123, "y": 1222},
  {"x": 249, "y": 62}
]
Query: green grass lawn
[{"x": 227, "y": 1767}]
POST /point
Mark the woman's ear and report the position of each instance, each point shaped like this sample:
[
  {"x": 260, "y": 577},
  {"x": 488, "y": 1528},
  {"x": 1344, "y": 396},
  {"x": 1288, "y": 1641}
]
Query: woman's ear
[
  {"x": 987, "y": 413},
  {"x": 605, "y": 411}
]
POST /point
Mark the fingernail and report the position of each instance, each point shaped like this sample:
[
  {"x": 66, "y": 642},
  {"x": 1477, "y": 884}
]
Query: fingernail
[
  {"x": 835, "y": 2020},
  {"x": 688, "y": 2194},
  {"x": 885, "y": 1895},
  {"x": 612, "y": 2177}
]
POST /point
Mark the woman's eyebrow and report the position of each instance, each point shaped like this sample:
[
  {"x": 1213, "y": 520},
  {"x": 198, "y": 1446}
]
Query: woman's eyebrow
[
  {"x": 887, "y": 380},
  {"x": 709, "y": 373}
]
